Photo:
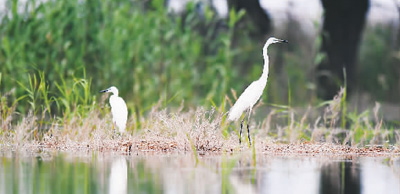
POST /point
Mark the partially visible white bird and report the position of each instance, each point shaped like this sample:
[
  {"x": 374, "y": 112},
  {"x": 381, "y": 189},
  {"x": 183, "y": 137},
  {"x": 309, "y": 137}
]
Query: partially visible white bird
[
  {"x": 118, "y": 109},
  {"x": 253, "y": 92}
]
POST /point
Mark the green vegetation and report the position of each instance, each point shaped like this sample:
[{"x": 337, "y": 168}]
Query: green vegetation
[
  {"x": 379, "y": 68},
  {"x": 55, "y": 58},
  {"x": 179, "y": 75},
  {"x": 147, "y": 53}
]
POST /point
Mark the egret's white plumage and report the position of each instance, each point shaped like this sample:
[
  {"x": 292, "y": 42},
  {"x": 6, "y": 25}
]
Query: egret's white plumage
[
  {"x": 254, "y": 91},
  {"x": 119, "y": 110}
]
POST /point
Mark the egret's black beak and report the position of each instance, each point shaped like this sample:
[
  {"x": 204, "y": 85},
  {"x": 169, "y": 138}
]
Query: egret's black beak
[
  {"x": 284, "y": 41},
  {"x": 104, "y": 91}
]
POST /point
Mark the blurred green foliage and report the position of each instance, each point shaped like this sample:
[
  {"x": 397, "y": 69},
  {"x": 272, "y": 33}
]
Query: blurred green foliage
[
  {"x": 379, "y": 70},
  {"x": 142, "y": 49},
  {"x": 56, "y": 55}
]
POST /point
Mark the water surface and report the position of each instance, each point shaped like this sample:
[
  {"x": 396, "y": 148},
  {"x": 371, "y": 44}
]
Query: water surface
[{"x": 149, "y": 173}]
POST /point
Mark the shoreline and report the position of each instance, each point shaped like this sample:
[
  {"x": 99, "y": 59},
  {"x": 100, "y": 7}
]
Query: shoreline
[{"x": 305, "y": 149}]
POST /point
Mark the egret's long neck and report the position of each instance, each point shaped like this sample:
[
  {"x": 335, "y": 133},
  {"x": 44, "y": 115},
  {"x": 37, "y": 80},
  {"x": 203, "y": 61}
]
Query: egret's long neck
[
  {"x": 115, "y": 93},
  {"x": 264, "y": 75}
]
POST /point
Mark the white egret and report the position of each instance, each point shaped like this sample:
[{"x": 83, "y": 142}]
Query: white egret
[
  {"x": 252, "y": 93},
  {"x": 118, "y": 109}
]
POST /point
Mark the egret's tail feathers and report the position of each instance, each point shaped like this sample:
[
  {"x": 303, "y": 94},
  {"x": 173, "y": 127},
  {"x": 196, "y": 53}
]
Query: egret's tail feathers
[
  {"x": 121, "y": 127},
  {"x": 235, "y": 113}
]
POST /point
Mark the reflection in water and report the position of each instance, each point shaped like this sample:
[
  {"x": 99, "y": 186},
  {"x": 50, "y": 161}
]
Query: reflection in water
[
  {"x": 378, "y": 178},
  {"x": 180, "y": 174},
  {"x": 118, "y": 176},
  {"x": 292, "y": 176},
  {"x": 340, "y": 177}
]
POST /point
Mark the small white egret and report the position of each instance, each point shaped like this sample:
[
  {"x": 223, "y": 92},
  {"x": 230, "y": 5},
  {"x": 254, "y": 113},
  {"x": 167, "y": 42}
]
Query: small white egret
[
  {"x": 252, "y": 93},
  {"x": 118, "y": 109}
]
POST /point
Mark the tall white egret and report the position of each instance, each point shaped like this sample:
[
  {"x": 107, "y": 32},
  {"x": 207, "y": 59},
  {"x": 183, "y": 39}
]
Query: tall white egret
[
  {"x": 119, "y": 110},
  {"x": 252, "y": 93}
]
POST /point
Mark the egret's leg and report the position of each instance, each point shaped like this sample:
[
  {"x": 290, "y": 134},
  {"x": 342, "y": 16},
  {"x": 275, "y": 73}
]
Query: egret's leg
[
  {"x": 114, "y": 130},
  {"x": 248, "y": 129},
  {"x": 241, "y": 127},
  {"x": 240, "y": 132}
]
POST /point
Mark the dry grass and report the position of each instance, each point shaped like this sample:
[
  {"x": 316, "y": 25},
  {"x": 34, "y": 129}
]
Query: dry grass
[
  {"x": 202, "y": 131},
  {"x": 182, "y": 131}
]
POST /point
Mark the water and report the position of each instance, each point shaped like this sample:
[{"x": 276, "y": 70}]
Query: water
[{"x": 149, "y": 173}]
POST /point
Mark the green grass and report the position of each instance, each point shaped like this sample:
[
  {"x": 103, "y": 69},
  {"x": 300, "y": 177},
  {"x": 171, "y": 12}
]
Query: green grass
[
  {"x": 56, "y": 58},
  {"x": 146, "y": 52}
]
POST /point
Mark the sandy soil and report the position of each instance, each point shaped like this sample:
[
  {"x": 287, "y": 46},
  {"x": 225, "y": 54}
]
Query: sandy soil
[{"x": 165, "y": 147}]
